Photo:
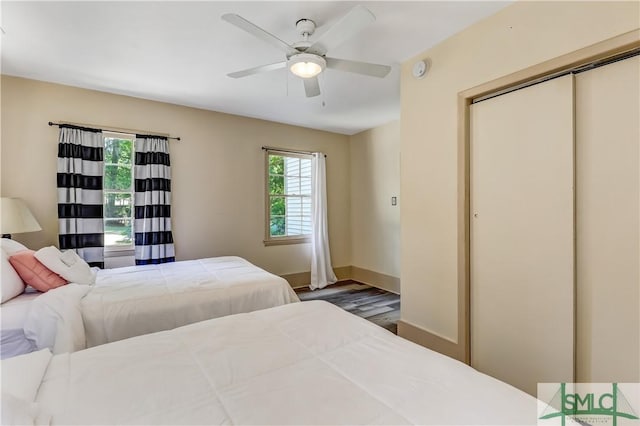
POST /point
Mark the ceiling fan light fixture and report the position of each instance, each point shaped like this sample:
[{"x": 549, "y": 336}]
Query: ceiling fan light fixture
[{"x": 306, "y": 65}]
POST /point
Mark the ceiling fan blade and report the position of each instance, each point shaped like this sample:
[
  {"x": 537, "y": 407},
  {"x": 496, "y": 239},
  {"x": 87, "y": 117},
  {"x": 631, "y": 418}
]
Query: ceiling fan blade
[
  {"x": 258, "y": 32},
  {"x": 350, "y": 24},
  {"x": 256, "y": 70},
  {"x": 374, "y": 70},
  {"x": 311, "y": 87}
]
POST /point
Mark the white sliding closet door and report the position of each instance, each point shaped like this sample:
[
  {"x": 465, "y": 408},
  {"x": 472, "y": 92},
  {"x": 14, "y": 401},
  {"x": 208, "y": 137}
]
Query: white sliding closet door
[
  {"x": 607, "y": 215},
  {"x": 522, "y": 235}
]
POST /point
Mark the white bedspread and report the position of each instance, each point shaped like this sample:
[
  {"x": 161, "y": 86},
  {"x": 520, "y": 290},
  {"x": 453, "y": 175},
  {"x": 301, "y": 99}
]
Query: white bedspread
[
  {"x": 132, "y": 301},
  {"x": 302, "y": 363},
  {"x": 55, "y": 321},
  {"x": 12, "y": 317}
]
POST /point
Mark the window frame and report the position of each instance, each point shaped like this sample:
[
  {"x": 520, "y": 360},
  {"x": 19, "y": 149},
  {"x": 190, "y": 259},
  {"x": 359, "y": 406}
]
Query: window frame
[
  {"x": 283, "y": 240},
  {"x": 129, "y": 249}
]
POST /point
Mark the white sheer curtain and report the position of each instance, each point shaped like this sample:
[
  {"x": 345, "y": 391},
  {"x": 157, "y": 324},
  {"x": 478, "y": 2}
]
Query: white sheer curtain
[{"x": 321, "y": 270}]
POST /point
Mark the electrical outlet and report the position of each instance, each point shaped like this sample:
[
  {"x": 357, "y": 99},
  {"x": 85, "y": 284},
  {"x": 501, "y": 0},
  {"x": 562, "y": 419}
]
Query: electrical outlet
[{"x": 394, "y": 201}]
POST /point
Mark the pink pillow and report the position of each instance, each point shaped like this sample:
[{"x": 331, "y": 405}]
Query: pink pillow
[{"x": 35, "y": 273}]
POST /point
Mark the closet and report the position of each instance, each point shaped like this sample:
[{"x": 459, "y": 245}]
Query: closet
[{"x": 554, "y": 229}]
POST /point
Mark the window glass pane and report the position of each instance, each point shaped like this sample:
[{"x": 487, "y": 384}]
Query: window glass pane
[
  {"x": 118, "y": 151},
  {"x": 292, "y": 185},
  {"x": 292, "y": 166},
  {"x": 117, "y": 232},
  {"x": 117, "y": 177},
  {"x": 306, "y": 206},
  {"x": 118, "y": 191},
  {"x": 117, "y": 205},
  {"x": 277, "y": 226},
  {"x": 277, "y": 206},
  {"x": 305, "y": 167},
  {"x": 306, "y": 224},
  {"x": 276, "y": 165},
  {"x": 294, "y": 226},
  {"x": 294, "y": 206},
  {"x": 305, "y": 186},
  {"x": 276, "y": 185}
]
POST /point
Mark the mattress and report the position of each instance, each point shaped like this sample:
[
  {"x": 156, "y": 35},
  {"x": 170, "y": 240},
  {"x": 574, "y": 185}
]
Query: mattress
[
  {"x": 13, "y": 314},
  {"x": 301, "y": 363},
  {"x": 131, "y": 301}
]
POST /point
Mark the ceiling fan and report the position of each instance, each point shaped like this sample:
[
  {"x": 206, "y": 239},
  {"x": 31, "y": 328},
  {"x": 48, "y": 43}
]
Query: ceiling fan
[{"x": 307, "y": 59}]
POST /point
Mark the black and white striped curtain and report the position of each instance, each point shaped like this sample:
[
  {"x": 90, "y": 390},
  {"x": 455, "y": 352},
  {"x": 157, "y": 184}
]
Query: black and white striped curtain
[
  {"x": 80, "y": 203},
  {"x": 153, "y": 237}
]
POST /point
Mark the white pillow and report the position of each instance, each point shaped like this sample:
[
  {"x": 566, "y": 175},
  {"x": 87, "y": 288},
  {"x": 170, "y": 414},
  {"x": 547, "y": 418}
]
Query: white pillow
[
  {"x": 12, "y": 284},
  {"x": 68, "y": 265},
  {"x": 12, "y": 246},
  {"x": 22, "y": 375}
]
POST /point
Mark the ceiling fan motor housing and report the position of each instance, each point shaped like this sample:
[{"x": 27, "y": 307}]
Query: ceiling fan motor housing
[{"x": 305, "y": 27}]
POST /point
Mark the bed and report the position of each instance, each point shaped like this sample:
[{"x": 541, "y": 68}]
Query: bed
[
  {"x": 130, "y": 301},
  {"x": 12, "y": 317},
  {"x": 301, "y": 363}
]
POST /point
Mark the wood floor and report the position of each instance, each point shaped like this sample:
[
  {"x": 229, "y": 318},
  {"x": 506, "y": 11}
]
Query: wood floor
[{"x": 376, "y": 305}]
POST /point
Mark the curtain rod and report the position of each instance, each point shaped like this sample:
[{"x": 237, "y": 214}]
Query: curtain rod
[
  {"x": 51, "y": 123},
  {"x": 292, "y": 151}
]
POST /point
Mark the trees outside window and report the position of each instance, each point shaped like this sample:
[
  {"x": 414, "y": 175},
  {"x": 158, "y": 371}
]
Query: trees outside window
[{"x": 118, "y": 192}]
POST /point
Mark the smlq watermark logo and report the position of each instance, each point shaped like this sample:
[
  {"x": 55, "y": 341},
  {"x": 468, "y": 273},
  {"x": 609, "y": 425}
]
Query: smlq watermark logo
[{"x": 593, "y": 404}]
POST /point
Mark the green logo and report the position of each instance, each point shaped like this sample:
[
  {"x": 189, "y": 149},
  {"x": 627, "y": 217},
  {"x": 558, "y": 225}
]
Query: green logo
[{"x": 590, "y": 403}]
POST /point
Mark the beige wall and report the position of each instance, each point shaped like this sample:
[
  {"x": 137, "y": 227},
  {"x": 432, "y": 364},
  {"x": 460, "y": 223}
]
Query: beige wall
[
  {"x": 375, "y": 223},
  {"x": 217, "y": 168},
  {"x": 519, "y": 36}
]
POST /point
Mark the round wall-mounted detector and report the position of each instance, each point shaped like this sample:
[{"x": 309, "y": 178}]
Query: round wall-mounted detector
[{"x": 419, "y": 69}]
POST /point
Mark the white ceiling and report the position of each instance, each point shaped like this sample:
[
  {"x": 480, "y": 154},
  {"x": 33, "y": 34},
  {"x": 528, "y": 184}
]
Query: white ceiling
[{"x": 180, "y": 52}]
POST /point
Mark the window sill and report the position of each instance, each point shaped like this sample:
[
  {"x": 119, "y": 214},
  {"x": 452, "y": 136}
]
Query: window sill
[
  {"x": 119, "y": 252},
  {"x": 286, "y": 241}
]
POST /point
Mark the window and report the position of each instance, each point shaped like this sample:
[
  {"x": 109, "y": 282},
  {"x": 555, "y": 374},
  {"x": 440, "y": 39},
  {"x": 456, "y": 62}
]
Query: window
[
  {"x": 118, "y": 192},
  {"x": 288, "y": 197}
]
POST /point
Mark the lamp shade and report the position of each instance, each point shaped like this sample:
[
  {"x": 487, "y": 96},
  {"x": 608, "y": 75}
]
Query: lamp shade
[
  {"x": 16, "y": 217},
  {"x": 305, "y": 65}
]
